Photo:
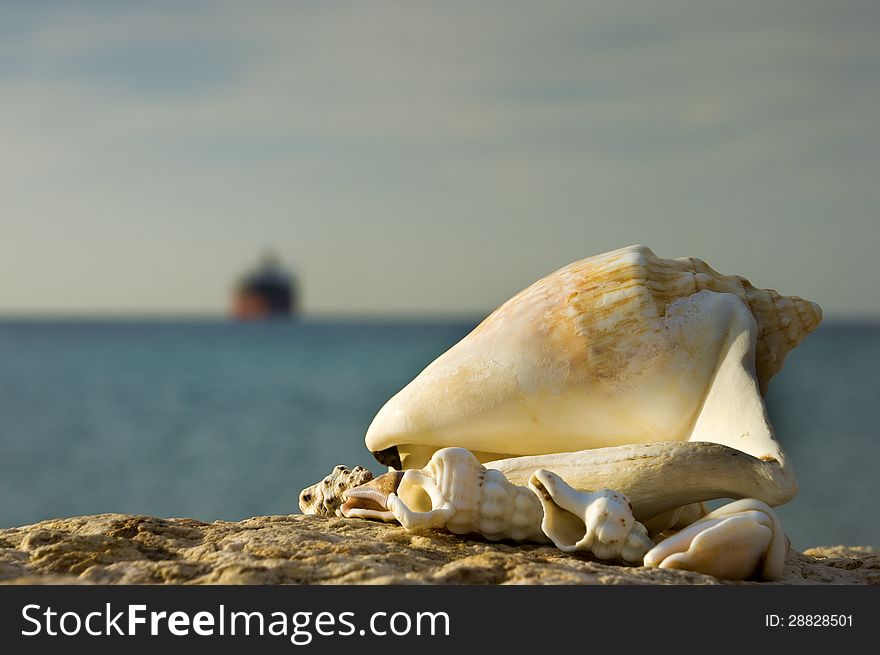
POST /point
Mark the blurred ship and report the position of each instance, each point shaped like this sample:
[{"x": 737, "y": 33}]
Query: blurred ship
[{"x": 268, "y": 292}]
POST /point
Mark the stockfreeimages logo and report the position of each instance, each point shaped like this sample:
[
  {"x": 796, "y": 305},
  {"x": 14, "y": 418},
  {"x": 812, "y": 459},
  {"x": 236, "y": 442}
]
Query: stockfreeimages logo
[{"x": 300, "y": 627}]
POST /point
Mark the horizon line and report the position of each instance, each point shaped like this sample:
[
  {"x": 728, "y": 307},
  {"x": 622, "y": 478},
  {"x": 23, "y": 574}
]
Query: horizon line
[{"x": 311, "y": 317}]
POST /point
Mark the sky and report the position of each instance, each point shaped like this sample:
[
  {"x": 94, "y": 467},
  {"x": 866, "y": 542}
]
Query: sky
[{"x": 431, "y": 158}]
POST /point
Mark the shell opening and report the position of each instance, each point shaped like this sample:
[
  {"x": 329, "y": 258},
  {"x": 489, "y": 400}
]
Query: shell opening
[
  {"x": 419, "y": 492},
  {"x": 367, "y": 499},
  {"x": 415, "y": 498},
  {"x": 567, "y": 529},
  {"x": 370, "y": 500},
  {"x": 388, "y": 457}
]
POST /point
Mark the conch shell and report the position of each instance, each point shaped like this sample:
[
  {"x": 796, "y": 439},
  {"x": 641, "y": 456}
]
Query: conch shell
[{"x": 623, "y": 371}]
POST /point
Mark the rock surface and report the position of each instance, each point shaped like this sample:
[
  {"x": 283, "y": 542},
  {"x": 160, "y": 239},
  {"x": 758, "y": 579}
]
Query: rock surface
[{"x": 115, "y": 548}]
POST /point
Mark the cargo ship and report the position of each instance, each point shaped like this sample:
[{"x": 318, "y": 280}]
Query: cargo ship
[{"x": 267, "y": 292}]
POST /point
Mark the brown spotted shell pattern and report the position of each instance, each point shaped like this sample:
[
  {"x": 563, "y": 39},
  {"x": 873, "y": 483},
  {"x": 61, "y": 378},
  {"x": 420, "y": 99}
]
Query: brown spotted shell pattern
[{"x": 324, "y": 498}]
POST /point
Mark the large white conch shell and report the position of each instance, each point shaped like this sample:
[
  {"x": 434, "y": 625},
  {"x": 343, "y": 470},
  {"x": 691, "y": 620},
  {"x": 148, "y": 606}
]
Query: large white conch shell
[
  {"x": 622, "y": 371},
  {"x": 738, "y": 541}
]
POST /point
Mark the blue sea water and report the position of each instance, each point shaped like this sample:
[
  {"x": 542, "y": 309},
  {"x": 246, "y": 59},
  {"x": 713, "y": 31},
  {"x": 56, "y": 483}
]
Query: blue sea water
[{"x": 218, "y": 420}]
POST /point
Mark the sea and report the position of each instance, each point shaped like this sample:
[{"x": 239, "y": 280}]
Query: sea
[{"x": 223, "y": 420}]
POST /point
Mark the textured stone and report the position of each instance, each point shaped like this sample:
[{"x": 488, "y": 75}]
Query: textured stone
[{"x": 115, "y": 548}]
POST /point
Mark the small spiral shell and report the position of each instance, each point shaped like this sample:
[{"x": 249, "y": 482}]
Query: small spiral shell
[
  {"x": 324, "y": 498},
  {"x": 484, "y": 501}
]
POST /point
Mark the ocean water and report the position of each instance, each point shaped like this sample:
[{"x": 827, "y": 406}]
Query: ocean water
[{"x": 218, "y": 420}]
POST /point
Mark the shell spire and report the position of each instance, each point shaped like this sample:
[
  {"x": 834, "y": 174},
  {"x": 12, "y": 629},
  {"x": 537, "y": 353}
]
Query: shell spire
[{"x": 783, "y": 321}]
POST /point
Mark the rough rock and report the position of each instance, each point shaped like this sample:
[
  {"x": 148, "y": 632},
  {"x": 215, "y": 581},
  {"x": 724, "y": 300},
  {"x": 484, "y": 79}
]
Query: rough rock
[{"x": 116, "y": 548}]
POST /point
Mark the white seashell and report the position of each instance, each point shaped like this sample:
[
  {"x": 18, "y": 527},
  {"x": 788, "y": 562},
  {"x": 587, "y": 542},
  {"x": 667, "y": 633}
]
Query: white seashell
[
  {"x": 663, "y": 476},
  {"x": 623, "y": 371},
  {"x": 453, "y": 491},
  {"x": 599, "y": 522},
  {"x": 739, "y": 541},
  {"x": 611, "y": 372}
]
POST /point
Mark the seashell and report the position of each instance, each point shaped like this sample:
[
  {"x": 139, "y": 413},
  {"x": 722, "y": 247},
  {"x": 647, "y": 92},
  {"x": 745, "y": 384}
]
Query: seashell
[
  {"x": 324, "y": 498},
  {"x": 599, "y": 522},
  {"x": 662, "y": 477},
  {"x": 623, "y": 371},
  {"x": 453, "y": 491},
  {"x": 370, "y": 500},
  {"x": 739, "y": 541},
  {"x": 562, "y": 358}
]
